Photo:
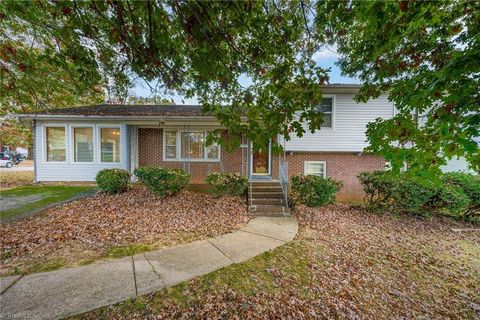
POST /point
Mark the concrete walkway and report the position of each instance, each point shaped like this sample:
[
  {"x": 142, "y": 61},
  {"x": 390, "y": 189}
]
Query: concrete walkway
[{"x": 65, "y": 292}]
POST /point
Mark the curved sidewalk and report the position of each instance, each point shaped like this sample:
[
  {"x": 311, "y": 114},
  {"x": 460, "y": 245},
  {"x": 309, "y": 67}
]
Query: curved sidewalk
[{"x": 65, "y": 292}]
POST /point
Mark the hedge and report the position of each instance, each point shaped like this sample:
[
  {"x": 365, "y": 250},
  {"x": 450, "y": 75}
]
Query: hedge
[
  {"x": 113, "y": 180},
  {"x": 313, "y": 191},
  {"x": 455, "y": 194},
  {"x": 222, "y": 183},
  {"x": 163, "y": 181}
]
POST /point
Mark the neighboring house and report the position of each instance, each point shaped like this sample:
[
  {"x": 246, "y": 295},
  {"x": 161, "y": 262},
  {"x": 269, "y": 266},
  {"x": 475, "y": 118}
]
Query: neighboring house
[{"x": 74, "y": 144}]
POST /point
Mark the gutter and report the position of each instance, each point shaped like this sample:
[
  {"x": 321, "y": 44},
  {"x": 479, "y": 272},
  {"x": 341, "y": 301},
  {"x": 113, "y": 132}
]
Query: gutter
[{"x": 100, "y": 117}]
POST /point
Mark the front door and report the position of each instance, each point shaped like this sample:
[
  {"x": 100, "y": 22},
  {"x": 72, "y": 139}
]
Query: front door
[{"x": 260, "y": 162}]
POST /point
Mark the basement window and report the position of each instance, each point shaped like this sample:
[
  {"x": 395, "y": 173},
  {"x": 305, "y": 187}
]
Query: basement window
[{"x": 315, "y": 168}]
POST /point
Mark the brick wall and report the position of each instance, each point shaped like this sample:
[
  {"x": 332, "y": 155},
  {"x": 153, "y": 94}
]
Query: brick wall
[
  {"x": 340, "y": 166},
  {"x": 150, "y": 149}
]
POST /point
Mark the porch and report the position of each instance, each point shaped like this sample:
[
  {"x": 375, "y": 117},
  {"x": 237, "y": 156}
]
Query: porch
[{"x": 184, "y": 147}]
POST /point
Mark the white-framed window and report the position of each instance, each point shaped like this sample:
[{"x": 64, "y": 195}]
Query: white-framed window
[
  {"x": 170, "y": 151},
  {"x": 109, "y": 144},
  {"x": 315, "y": 168},
  {"x": 82, "y": 143},
  {"x": 327, "y": 107},
  {"x": 179, "y": 145},
  {"x": 55, "y": 144}
]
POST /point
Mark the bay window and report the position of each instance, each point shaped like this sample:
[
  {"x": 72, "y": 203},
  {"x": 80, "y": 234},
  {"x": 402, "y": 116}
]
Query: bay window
[
  {"x": 55, "y": 143},
  {"x": 83, "y": 144},
  {"x": 190, "y": 144}
]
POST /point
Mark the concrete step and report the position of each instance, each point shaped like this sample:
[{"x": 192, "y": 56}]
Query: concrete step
[
  {"x": 271, "y": 208},
  {"x": 263, "y": 195},
  {"x": 265, "y": 183},
  {"x": 268, "y": 201},
  {"x": 266, "y": 189},
  {"x": 268, "y": 214}
]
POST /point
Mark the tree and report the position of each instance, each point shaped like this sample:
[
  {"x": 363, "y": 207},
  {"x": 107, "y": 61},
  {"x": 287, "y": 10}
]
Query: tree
[
  {"x": 426, "y": 55},
  {"x": 36, "y": 75},
  {"x": 254, "y": 59},
  {"x": 149, "y": 100},
  {"x": 196, "y": 48}
]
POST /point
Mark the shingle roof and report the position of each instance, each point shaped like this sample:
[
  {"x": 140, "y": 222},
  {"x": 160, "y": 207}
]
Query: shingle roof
[{"x": 128, "y": 110}]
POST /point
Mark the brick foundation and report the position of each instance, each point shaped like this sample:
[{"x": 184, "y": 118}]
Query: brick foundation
[
  {"x": 150, "y": 148},
  {"x": 340, "y": 166}
]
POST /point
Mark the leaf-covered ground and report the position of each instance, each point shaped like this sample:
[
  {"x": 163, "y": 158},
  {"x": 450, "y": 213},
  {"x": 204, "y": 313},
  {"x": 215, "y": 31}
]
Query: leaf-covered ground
[
  {"x": 115, "y": 225},
  {"x": 15, "y": 178},
  {"x": 345, "y": 263}
]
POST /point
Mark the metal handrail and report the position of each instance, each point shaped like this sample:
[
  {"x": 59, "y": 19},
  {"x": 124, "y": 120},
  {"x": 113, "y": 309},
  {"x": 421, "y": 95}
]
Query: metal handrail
[
  {"x": 283, "y": 177},
  {"x": 250, "y": 207}
]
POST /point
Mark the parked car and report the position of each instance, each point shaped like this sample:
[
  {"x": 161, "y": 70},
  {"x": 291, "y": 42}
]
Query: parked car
[
  {"x": 6, "y": 163},
  {"x": 12, "y": 156}
]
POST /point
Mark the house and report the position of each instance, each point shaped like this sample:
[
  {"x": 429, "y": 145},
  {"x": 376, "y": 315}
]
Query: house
[{"x": 73, "y": 144}]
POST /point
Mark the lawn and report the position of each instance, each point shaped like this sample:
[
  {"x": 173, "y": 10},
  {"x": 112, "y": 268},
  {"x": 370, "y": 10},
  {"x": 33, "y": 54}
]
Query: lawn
[
  {"x": 112, "y": 226},
  {"x": 35, "y": 197},
  {"x": 344, "y": 263}
]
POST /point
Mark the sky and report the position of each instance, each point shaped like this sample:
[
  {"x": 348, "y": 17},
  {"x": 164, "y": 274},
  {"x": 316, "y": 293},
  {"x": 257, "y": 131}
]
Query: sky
[{"x": 325, "y": 58}]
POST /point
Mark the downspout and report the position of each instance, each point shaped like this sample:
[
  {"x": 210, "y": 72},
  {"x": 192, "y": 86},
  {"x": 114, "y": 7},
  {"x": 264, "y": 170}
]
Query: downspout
[{"x": 34, "y": 151}]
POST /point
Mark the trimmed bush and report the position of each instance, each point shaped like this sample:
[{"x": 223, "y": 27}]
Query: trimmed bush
[
  {"x": 313, "y": 191},
  {"x": 113, "y": 180},
  {"x": 450, "y": 199},
  {"x": 222, "y": 183},
  {"x": 378, "y": 187},
  {"x": 454, "y": 194},
  {"x": 163, "y": 181},
  {"x": 470, "y": 185}
]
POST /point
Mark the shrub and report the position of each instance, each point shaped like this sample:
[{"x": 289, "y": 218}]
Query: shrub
[
  {"x": 313, "y": 191},
  {"x": 385, "y": 191},
  {"x": 450, "y": 199},
  {"x": 222, "y": 183},
  {"x": 378, "y": 188},
  {"x": 470, "y": 185},
  {"x": 163, "y": 181},
  {"x": 454, "y": 193},
  {"x": 113, "y": 180}
]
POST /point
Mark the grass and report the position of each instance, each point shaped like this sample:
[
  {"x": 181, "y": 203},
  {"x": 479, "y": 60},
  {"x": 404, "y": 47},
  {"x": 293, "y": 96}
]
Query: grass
[
  {"x": 259, "y": 273},
  {"x": 124, "y": 251},
  {"x": 50, "y": 195}
]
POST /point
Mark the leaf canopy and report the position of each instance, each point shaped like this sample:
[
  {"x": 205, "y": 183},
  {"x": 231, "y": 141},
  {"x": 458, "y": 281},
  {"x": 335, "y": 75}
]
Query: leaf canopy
[{"x": 254, "y": 58}]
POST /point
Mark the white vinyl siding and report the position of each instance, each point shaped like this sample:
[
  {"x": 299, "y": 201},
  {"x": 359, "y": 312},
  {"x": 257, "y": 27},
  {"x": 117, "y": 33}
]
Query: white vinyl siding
[
  {"x": 69, "y": 170},
  {"x": 349, "y": 125}
]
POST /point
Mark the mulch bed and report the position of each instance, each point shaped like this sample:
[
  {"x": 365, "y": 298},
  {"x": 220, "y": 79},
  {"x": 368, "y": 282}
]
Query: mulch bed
[{"x": 137, "y": 216}]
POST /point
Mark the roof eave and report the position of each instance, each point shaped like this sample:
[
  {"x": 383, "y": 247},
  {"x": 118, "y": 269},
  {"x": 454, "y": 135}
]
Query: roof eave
[{"x": 103, "y": 117}]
